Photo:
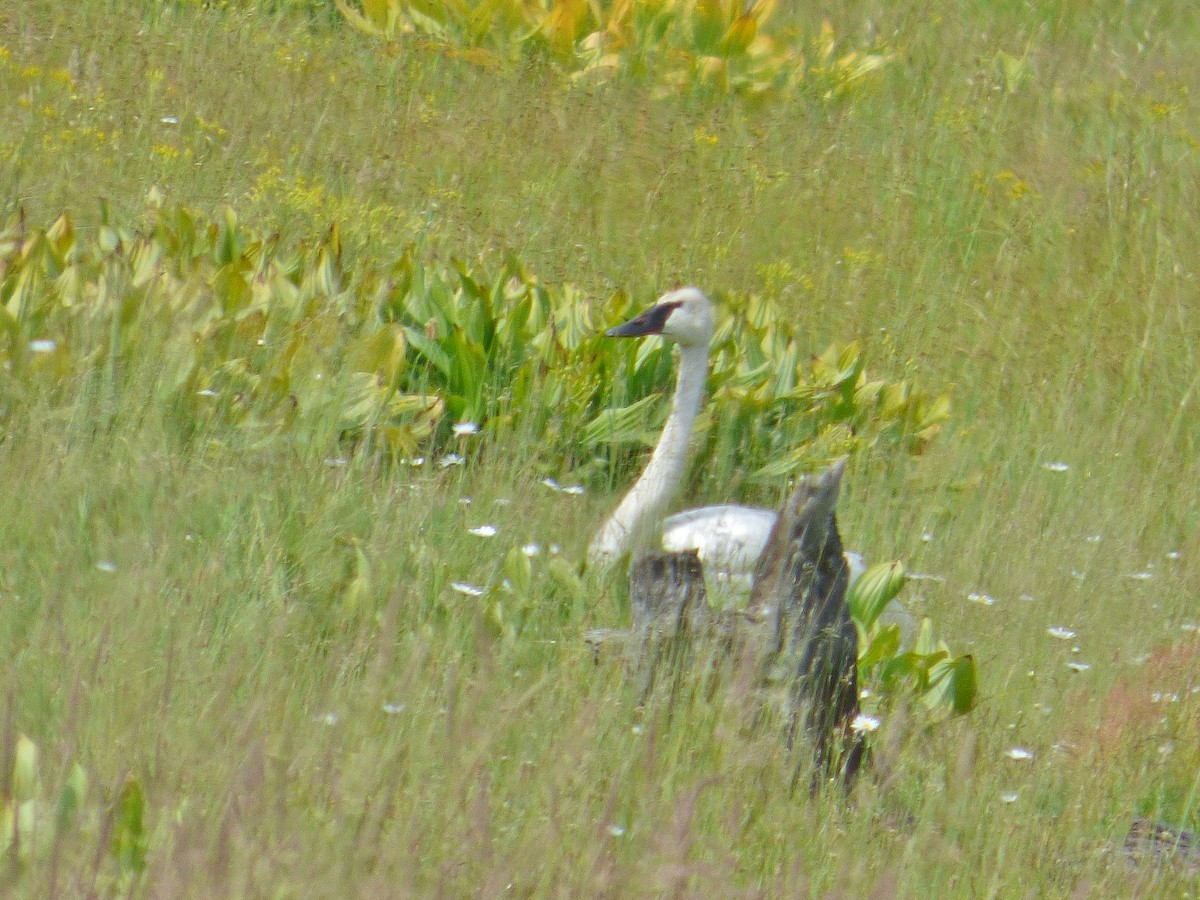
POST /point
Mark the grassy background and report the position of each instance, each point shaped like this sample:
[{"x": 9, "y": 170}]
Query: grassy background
[{"x": 1027, "y": 241}]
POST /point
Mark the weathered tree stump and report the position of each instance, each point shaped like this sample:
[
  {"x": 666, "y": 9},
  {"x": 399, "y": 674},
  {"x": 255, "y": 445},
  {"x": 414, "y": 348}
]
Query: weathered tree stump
[
  {"x": 796, "y": 634},
  {"x": 800, "y": 584},
  {"x": 667, "y": 593}
]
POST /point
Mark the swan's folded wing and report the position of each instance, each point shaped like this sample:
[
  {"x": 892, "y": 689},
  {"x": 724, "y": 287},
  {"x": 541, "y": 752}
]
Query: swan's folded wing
[{"x": 729, "y": 539}]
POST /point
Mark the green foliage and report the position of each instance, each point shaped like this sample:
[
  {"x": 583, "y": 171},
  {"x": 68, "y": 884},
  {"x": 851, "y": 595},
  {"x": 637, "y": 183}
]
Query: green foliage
[
  {"x": 1008, "y": 208},
  {"x": 714, "y": 45},
  {"x": 943, "y": 682},
  {"x": 129, "y": 829},
  {"x": 249, "y": 338},
  {"x": 253, "y": 342},
  {"x": 29, "y": 825}
]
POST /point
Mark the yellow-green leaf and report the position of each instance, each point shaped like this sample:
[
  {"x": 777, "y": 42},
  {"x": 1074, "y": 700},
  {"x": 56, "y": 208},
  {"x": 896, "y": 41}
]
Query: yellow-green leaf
[
  {"x": 25, "y": 770},
  {"x": 738, "y": 36},
  {"x": 129, "y": 832}
]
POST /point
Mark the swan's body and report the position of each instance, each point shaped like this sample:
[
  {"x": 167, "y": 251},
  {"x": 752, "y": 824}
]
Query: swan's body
[{"x": 729, "y": 539}]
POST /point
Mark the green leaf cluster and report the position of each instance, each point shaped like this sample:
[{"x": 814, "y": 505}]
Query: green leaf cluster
[
  {"x": 247, "y": 340},
  {"x": 928, "y": 669},
  {"x": 724, "y": 46},
  {"x": 29, "y": 824}
]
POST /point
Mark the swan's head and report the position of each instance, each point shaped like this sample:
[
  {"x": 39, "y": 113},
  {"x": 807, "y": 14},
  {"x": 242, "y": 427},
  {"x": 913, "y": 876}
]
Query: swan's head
[{"x": 685, "y": 316}]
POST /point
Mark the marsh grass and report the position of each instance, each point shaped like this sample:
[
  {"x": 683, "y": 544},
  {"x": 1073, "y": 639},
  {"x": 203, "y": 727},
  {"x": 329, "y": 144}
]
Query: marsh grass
[{"x": 269, "y": 643}]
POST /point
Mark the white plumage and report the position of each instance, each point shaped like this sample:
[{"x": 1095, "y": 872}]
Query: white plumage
[{"x": 730, "y": 538}]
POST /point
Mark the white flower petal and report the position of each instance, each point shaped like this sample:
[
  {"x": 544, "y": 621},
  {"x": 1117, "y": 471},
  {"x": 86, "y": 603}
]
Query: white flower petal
[
  {"x": 483, "y": 531},
  {"x": 863, "y": 723},
  {"x": 1019, "y": 753},
  {"x": 1008, "y": 797},
  {"x": 464, "y": 428},
  {"x": 1076, "y": 666},
  {"x": 451, "y": 459},
  {"x": 107, "y": 566},
  {"x": 42, "y": 346},
  {"x": 469, "y": 590},
  {"x": 531, "y": 550},
  {"x": 1057, "y": 631},
  {"x": 981, "y": 599},
  {"x": 1055, "y": 466}
]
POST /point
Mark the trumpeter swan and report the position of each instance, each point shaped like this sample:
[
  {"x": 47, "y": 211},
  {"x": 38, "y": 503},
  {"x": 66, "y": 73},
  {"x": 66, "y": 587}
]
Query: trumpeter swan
[{"x": 728, "y": 539}]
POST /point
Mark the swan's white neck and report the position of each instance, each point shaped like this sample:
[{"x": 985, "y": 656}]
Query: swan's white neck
[{"x": 640, "y": 513}]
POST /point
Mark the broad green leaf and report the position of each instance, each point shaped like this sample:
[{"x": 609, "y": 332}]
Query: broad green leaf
[
  {"x": 565, "y": 576},
  {"x": 953, "y": 685},
  {"x": 381, "y": 352},
  {"x": 518, "y": 569},
  {"x": 738, "y": 36},
  {"x": 429, "y": 349},
  {"x": 926, "y": 643},
  {"x": 762, "y": 10},
  {"x": 709, "y": 23},
  {"x": 885, "y": 645},
  {"x": 620, "y": 426},
  {"x": 782, "y": 466},
  {"x": 874, "y": 590},
  {"x": 1014, "y": 69},
  {"x": 129, "y": 833},
  {"x": 228, "y": 247}
]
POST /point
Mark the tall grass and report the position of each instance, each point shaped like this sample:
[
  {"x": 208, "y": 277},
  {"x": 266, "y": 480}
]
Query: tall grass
[{"x": 268, "y": 640}]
